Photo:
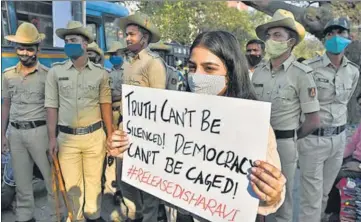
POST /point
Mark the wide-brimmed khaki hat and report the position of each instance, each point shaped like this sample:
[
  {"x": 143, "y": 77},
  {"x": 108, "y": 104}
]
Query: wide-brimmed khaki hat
[
  {"x": 117, "y": 45},
  {"x": 74, "y": 28},
  {"x": 26, "y": 34},
  {"x": 282, "y": 18},
  {"x": 94, "y": 47},
  {"x": 142, "y": 20}
]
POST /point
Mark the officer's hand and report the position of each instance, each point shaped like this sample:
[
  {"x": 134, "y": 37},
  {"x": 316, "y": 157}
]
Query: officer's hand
[
  {"x": 118, "y": 143},
  {"x": 267, "y": 182},
  {"x": 53, "y": 147},
  {"x": 4, "y": 145}
]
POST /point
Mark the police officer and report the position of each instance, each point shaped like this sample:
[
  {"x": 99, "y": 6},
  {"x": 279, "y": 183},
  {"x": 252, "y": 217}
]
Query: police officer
[
  {"x": 321, "y": 153},
  {"x": 95, "y": 54},
  {"x": 78, "y": 100},
  {"x": 23, "y": 91},
  {"x": 116, "y": 54},
  {"x": 146, "y": 69},
  {"x": 255, "y": 50},
  {"x": 289, "y": 86}
]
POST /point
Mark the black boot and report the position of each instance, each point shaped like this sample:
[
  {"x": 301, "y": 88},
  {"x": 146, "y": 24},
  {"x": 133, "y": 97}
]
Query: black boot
[
  {"x": 31, "y": 220},
  {"x": 96, "y": 220}
]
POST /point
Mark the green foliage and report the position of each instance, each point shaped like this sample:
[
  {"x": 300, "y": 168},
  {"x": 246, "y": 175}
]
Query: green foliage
[
  {"x": 182, "y": 21},
  {"x": 308, "y": 48}
]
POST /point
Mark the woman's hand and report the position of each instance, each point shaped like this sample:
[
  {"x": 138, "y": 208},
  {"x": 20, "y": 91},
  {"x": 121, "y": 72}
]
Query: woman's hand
[
  {"x": 352, "y": 166},
  {"x": 118, "y": 143},
  {"x": 267, "y": 182}
]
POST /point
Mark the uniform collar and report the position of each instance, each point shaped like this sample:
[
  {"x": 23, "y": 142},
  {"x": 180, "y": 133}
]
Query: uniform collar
[
  {"x": 286, "y": 64},
  {"x": 327, "y": 62},
  {"x": 70, "y": 64},
  {"x": 20, "y": 65}
]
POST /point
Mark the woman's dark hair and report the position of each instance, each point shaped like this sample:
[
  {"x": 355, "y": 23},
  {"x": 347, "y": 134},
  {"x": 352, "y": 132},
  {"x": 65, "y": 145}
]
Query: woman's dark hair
[{"x": 225, "y": 46}]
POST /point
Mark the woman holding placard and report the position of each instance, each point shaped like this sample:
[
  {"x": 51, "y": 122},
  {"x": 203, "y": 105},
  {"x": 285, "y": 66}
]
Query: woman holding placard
[{"x": 218, "y": 67}]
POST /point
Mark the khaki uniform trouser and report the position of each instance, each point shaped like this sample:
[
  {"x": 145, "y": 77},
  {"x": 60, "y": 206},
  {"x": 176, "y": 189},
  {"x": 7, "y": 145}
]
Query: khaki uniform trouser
[
  {"x": 29, "y": 146},
  {"x": 320, "y": 162},
  {"x": 287, "y": 149},
  {"x": 136, "y": 204},
  {"x": 81, "y": 160}
]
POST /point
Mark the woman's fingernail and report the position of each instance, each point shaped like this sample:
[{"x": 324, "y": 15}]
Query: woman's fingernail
[
  {"x": 252, "y": 177},
  {"x": 257, "y": 162},
  {"x": 254, "y": 170}
]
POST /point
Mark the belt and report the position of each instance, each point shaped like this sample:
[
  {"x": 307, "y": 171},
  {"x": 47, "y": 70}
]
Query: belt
[
  {"x": 116, "y": 108},
  {"x": 28, "y": 124},
  {"x": 284, "y": 134},
  {"x": 82, "y": 130},
  {"x": 329, "y": 131}
]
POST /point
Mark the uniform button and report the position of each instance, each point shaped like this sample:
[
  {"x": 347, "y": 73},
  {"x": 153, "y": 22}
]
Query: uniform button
[
  {"x": 79, "y": 98},
  {"x": 273, "y": 76},
  {"x": 268, "y": 92}
]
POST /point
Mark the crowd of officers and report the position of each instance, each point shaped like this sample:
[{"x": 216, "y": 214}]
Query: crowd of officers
[{"x": 63, "y": 110}]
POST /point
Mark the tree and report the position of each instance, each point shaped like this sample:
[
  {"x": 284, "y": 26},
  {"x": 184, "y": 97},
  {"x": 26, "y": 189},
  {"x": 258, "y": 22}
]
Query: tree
[{"x": 182, "y": 21}]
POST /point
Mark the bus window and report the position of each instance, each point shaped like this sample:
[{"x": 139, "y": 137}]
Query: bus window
[
  {"x": 92, "y": 27},
  {"x": 40, "y": 14},
  {"x": 112, "y": 31},
  {"x": 5, "y": 23}
]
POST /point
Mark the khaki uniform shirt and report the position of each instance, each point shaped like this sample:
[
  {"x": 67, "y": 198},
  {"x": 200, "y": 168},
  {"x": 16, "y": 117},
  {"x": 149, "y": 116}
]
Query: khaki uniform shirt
[
  {"x": 290, "y": 90},
  {"x": 26, "y": 93},
  {"x": 77, "y": 94},
  {"x": 115, "y": 77},
  {"x": 335, "y": 88},
  {"x": 145, "y": 69}
]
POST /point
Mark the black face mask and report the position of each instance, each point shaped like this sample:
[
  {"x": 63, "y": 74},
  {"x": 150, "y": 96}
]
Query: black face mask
[
  {"x": 28, "y": 61},
  {"x": 253, "y": 60}
]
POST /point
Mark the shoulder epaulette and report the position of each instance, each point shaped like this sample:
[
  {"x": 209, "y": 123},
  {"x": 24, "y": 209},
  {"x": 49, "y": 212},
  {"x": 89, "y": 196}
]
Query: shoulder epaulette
[
  {"x": 153, "y": 54},
  {"x": 303, "y": 67},
  {"x": 354, "y": 64},
  {"x": 313, "y": 60},
  {"x": 58, "y": 63},
  {"x": 108, "y": 70},
  {"x": 44, "y": 67},
  {"x": 10, "y": 68}
]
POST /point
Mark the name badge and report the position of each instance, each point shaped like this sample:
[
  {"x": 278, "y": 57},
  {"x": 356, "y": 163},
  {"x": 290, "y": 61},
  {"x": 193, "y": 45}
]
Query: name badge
[{"x": 63, "y": 78}]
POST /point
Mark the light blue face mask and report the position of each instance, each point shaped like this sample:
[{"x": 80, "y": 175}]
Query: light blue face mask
[
  {"x": 116, "y": 60},
  {"x": 73, "y": 50},
  {"x": 336, "y": 44}
]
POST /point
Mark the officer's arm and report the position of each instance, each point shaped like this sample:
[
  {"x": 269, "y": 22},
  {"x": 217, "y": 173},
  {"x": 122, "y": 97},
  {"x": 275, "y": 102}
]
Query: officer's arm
[
  {"x": 105, "y": 100},
  {"x": 309, "y": 105},
  {"x": 5, "y": 107},
  {"x": 157, "y": 74},
  {"x": 51, "y": 103},
  {"x": 354, "y": 83}
]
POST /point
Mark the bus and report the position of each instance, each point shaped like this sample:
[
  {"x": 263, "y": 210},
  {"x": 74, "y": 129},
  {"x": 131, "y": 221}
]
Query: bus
[{"x": 48, "y": 16}]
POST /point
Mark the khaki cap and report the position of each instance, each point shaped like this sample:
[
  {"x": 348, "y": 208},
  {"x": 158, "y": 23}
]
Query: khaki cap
[
  {"x": 282, "y": 18},
  {"x": 94, "y": 47},
  {"x": 117, "y": 45},
  {"x": 142, "y": 20},
  {"x": 74, "y": 28},
  {"x": 26, "y": 34}
]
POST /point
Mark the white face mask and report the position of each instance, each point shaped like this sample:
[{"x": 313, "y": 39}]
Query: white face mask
[{"x": 206, "y": 84}]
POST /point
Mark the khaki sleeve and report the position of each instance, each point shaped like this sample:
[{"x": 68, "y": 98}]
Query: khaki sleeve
[
  {"x": 274, "y": 159},
  {"x": 105, "y": 93},
  {"x": 308, "y": 94},
  {"x": 354, "y": 83},
  {"x": 51, "y": 90},
  {"x": 157, "y": 74},
  {"x": 5, "y": 87}
]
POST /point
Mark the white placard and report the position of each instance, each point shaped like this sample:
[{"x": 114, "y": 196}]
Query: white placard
[{"x": 194, "y": 151}]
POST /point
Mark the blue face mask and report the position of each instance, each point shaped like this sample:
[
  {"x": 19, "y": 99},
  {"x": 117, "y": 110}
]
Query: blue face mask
[
  {"x": 336, "y": 44},
  {"x": 116, "y": 60},
  {"x": 73, "y": 50}
]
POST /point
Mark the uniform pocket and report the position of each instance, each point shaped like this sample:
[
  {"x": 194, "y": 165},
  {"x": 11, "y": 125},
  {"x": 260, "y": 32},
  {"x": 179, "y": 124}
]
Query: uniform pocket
[
  {"x": 344, "y": 92},
  {"x": 65, "y": 88},
  {"x": 91, "y": 90}
]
